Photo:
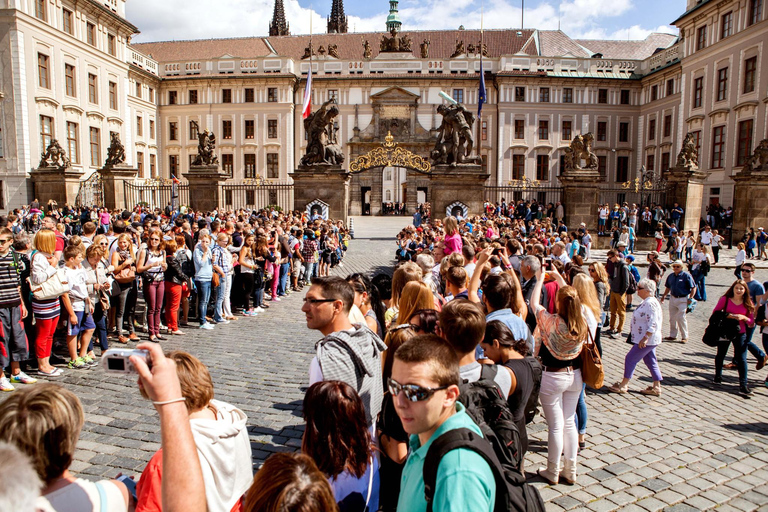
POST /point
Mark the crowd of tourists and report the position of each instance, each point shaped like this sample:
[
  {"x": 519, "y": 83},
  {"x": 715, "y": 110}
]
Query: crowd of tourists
[{"x": 422, "y": 386}]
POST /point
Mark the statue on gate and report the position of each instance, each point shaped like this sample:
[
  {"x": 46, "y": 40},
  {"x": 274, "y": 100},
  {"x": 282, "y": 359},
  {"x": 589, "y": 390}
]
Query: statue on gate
[
  {"x": 581, "y": 149},
  {"x": 206, "y": 144},
  {"x": 454, "y": 143},
  {"x": 758, "y": 160},
  {"x": 688, "y": 155},
  {"x": 54, "y": 156},
  {"x": 115, "y": 152},
  {"x": 322, "y": 144}
]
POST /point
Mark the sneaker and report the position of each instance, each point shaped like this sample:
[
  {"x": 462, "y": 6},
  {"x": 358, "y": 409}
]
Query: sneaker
[
  {"x": 761, "y": 363},
  {"x": 207, "y": 326},
  {"x": 5, "y": 384},
  {"x": 745, "y": 391},
  {"x": 77, "y": 364},
  {"x": 717, "y": 380},
  {"x": 22, "y": 378},
  {"x": 56, "y": 372},
  {"x": 250, "y": 312},
  {"x": 276, "y": 299},
  {"x": 259, "y": 310},
  {"x": 223, "y": 322},
  {"x": 88, "y": 360}
]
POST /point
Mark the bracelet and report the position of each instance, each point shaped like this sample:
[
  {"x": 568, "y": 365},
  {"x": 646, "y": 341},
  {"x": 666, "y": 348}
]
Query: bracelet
[{"x": 180, "y": 399}]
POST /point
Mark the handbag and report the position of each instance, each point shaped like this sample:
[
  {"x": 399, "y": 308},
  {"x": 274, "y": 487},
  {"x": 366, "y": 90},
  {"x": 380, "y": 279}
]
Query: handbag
[
  {"x": 215, "y": 280},
  {"x": 720, "y": 326},
  {"x": 52, "y": 288},
  {"x": 126, "y": 275},
  {"x": 591, "y": 365}
]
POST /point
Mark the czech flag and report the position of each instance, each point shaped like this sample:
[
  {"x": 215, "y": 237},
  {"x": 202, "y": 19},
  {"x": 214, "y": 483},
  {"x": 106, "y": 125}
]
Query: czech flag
[
  {"x": 307, "y": 105},
  {"x": 481, "y": 93}
]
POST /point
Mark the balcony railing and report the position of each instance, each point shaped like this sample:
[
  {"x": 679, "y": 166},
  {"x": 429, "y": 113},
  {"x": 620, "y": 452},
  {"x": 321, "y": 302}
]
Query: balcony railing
[{"x": 144, "y": 62}]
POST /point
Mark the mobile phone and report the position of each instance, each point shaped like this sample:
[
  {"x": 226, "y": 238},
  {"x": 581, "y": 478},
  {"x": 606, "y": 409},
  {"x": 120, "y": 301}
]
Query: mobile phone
[
  {"x": 116, "y": 360},
  {"x": 129, "y": 483},
  {"x": 547, "y": 264}
]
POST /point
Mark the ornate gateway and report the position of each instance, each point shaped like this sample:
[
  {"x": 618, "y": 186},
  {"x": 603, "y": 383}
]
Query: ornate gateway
[{"x": 389, "y": 155}]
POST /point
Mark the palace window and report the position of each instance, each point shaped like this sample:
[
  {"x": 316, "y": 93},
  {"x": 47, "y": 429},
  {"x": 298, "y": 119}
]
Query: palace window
[
  {"x": 668, "y": 125},
  {"x": 744, "y": 148},
  {"x": 567, "y": 95},
  {"x": 226, "y": 129},
  {"x": 602, "y": 165},
  {"x": 333, "y": 94},
  {"x": 650, "y": 161},
  {"x": 518, "y": 167},
  {"x": 69, "y": 79},
  {"x": 66, "y": 21},
  {"x": 726, "y": 25},
  {"x": 484, "y": 130},
  {"x": 250, "y": 165},
  {"x": 93, "y": 95},
  {"x": 722, "y": 84},
  {"x": 273, "y": 166},
  {"x": 755, "y": 10},
  {"x": 173, "y": 165},
  {"x": 151, "y": 94},
  {"x": 665, "y": 161},
  {"x": 40, "y": 11},
  {"x": 750, "y": 70},
  {"x": 193, "y": 97},
  {"x": 139, "y": 126},
  {"x": 622, "y": 169},
  {"x": 565, "y": 132},
  {"x": 90, "y": 33},
  {"x": 173, "y": 131},
  {"x": 43, "y": 77},
  {"x": 113, "y": 95},
  {"x": 542, "y": 167},
  {"x": 46, "y": 131},
  {"x": 519, "y": 128},
  {"x": 654, "y": 92},
  {"x": 250, "y": 129},
  {"x": 652, "y": 129},
  {"x": 602, "y": 130},
  {"x": 272, "y": 94},
  {"x": 602, "y": 95},
  {"x": 272, "y": 128},
  {"x": 138, "y": 89},
  {"x": 458, "y": 95},
  {"x": 228, "y": 163},
  {"x": 701, "y": 38},
  {"x": 519, "y": 93},
  {"x": 543, "y": 130},
  {"x": 72, "y": 144},
  {"x": 140, "y": 162},
  {"x": 623, "y": 132},
  {"x": 95, "y": 141},
  {"x": 698, "y": 91},
  {"x": 226, "y": 95},
  {"x": 249, "y": 96},
  {"x": 544, "y": 94},
  {"x": 173, "y": 97},
  {"x": 152, "y": 164},
  {"x": 151, "y": 128},
  {"x": 625, "y": 97},
  {"x": 670, "y": 87},
  {"x": 718, "y": 146},
  {"x": 111, "y": 45},
  {"x": 193, "y": 131}
]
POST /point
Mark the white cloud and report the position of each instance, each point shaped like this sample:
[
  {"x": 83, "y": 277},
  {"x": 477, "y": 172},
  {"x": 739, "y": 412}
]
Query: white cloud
[{"x": 197, "y": 19}]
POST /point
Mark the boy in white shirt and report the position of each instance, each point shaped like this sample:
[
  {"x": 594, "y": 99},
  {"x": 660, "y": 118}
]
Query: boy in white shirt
[{"x": 78, "y": 308}]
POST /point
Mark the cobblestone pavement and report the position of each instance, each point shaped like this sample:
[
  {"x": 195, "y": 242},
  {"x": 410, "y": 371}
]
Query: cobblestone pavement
[{"x": 696, "y": 447}]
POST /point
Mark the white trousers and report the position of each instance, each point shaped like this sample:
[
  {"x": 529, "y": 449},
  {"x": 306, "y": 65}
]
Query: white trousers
[
  {"x": 677, "y": 320},
  {"x": 227, "y": 304},
  {"x": 559, "y": 396}
]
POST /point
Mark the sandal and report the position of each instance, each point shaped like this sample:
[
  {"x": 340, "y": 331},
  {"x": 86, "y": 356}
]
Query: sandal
[
  {"x": 133, "y": 337},
  {"x": 177, "y": 332},
  {"x": 616, "y": 388},
  {"x": 651, "y": 391}
]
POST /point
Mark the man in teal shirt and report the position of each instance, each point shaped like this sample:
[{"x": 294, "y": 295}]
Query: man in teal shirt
[{"x": 425, "y": 387}]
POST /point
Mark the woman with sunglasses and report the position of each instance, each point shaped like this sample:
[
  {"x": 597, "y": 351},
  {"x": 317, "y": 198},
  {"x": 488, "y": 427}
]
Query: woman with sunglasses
[
  {"x": 152, "y": 265},
  {"x": 645, "y": 334},
  {"x": 124, "y": 263},
  {"x": 737, "y": 302}
]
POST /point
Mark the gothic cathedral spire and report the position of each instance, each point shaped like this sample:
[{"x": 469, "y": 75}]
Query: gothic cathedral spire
[
  {"x": 278, "y": 26},
  {"x": 337, "y": 21}
]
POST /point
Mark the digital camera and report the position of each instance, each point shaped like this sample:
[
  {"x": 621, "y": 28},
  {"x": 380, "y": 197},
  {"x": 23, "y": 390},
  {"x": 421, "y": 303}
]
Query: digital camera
[{"x": 116, "y": 360}]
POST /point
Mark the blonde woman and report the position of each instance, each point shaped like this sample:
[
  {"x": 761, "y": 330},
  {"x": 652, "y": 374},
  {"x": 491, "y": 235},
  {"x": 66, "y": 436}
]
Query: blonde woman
[
  {"x": 416, "y": 296},
  {"x": 404, "y": 274},
  {"x": 46, "y": 311},
  {"x": 453, "y": 241},
  {"x": 124, "y": 263},
  {"x": 592, "y": 313}
]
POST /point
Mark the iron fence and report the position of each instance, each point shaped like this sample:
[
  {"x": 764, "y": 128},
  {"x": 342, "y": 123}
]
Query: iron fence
[
  {"x": 91, "y": 191},
  {"x": 543, "y": 194},
  {"x": 154, "y": 194},
  {"x": 641, "y": 196},
  {"x": 256, "y": 196}
]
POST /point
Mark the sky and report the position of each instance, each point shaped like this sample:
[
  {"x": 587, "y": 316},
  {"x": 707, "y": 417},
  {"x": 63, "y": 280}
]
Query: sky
[{"x": 166, "y": 20}]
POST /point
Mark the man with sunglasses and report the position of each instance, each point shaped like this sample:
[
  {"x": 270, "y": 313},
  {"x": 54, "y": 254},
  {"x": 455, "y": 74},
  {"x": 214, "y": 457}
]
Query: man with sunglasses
[
  {"x": 425, "y": 389},
  {"x": 348, "y": 352}
]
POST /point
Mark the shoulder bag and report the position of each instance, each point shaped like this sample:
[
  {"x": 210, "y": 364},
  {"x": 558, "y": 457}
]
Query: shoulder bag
[
  {"x": 720, "y": 326},
  {"x": 52, "y": 288},
  {"x": 591, "y": 365}
]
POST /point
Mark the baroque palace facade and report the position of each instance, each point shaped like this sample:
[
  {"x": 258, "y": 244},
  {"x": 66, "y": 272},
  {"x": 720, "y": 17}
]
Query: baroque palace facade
[{"x": 70, "y": 72}]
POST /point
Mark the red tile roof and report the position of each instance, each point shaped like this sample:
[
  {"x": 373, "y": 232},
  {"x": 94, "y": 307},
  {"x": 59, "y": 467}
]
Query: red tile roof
[{"x": 638, "y": 50}]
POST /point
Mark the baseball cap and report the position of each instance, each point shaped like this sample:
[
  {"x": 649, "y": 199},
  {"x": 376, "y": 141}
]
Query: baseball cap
[{"x": 677, "y": 263}]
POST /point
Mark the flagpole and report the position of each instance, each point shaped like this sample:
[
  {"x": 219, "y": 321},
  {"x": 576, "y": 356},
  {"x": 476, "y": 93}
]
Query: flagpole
[{"x": 480, "y": 89}]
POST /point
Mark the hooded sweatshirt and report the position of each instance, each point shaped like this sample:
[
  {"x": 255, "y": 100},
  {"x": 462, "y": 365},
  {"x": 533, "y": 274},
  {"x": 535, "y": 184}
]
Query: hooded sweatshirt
[
  {"x": 354, "y": 357},
  {"x": 225, "y": 459}
]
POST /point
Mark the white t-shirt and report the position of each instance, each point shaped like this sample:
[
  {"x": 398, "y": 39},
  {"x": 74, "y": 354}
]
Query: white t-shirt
[
  {"x": 706, "y": 237},
  {"x": 471, "y": 372},
  {"x": 78, "y": 289},
  {"x": 83, "y": 496}
]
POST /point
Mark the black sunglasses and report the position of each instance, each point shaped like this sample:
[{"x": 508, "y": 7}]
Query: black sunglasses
[
  {"x": 412, "y": 392},
  {"x": 312, "y": 302}
]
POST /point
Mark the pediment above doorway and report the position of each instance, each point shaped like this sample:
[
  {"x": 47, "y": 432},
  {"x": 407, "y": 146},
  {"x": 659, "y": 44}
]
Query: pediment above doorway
[{"x": 394, "y": 95}]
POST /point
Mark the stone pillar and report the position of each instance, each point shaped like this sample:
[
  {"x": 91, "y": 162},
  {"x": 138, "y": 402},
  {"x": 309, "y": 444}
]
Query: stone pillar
[
  {"x": 464, "y": 183},
  {"x": 326, "y": 183},
  {"x": 750, "y": 202},
  {"x": 58, "y": 183},
  {"x": 204, "y": 186},
  {"x": 580, "y": 197},
  {"x": 686, "y": 188},
  {"x": 113, "y": 179}
]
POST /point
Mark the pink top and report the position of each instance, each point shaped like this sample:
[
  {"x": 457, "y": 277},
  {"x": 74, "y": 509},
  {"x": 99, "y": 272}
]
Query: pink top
[
  {"x": 735, "y": 309},
  {"x": 453, "y": 243},
  {"x": 104, "y": 217}
]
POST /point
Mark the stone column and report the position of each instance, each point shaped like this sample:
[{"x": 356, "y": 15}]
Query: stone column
[
  {"x": 204, "y": 183},
  {"x": 464, "y": 183},
  {"x": 580, "y": 197},
  {"x": 58, "y": 183},
  {"x": 326, "y": 183},
  {"x": 686, "y": 188},
  {"x": 113, "y": 179},
  {"x": 750, "y": 202}
]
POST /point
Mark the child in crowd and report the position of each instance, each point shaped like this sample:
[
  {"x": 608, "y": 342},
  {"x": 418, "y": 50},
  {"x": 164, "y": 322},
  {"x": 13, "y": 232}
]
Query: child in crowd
[{"x": 78, "y": 308}]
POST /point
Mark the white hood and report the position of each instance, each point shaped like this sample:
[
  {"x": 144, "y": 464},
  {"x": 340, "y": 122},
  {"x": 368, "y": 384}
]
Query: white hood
[{"x": 225, "y": 456}]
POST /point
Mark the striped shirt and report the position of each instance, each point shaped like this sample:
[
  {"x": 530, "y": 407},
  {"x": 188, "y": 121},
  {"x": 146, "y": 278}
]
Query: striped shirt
[
  {"x": 42, "y": 270},
  {"x": 9, "y": 281}
]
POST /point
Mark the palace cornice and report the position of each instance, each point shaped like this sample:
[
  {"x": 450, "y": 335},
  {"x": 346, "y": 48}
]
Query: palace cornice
[
  {"x": 519, "y": 145},
  {"x": 47, "y": 99},
  {"x": 543, "y": 146},
  {"x": 113, "y": 119},
  {"x": 96, "y": 114},
  {"x": 272, "y": 144},
  {"x": 746, "y": 104},
  {"x": 718, "y": 111},
  {"x": 695, "y": 117},
  {"x": 115, "y": 17},
  {"x": 73, "y": 108}
]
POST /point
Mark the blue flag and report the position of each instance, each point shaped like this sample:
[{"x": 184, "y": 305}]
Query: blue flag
[{"x": 481, "y": 92}]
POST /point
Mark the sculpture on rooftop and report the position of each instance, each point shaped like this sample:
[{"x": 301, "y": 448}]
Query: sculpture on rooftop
[
  {"x": 54, "y": 156},
  {"x": 366, "y": 49},
  {"x": 581, "y": 149},
  {"x": 333, "y": 50},
  {"x": 322, "y": 145},
  {"x": 395, "y": 43},
  {"x": 454, "y": 143},
  {"x": 206, "y": 144},
  {"x": 758, "y": 160},
  {"x": 308, "y": 51},
  {"x": 688, "y": 156},
  {"x": 459, "y": 49},
  {"x": 115, "y": 151},
  {"x": 425, "y": 49}
]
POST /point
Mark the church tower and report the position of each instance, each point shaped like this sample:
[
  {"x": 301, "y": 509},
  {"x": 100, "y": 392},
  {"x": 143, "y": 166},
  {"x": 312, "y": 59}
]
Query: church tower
[
  {"x": 337, "y": 21},
  {"x": 278, "y": 26},
  {"x": 393, "y": 20}
]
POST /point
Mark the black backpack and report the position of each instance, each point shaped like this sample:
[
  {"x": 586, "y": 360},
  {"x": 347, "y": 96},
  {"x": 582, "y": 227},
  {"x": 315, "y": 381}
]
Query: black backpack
[
  {"x": 532, "y": 407},
  {"x": 499, "y": 445}
]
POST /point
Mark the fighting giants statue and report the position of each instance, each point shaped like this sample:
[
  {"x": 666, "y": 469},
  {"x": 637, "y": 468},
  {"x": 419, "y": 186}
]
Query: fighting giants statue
[
  {"x": 758, "y": 160},
  {"x": 206, "y": 144},
  {"x": 454, "y": 139},
  {"x": 581, "y": 149},
  {"x": 115, "y": 152},
  {"x": 54, "y": 156},
  {"x": 322, "y": 146},
  {"x": 688, "y": 156},
  {"x": 395, "y": 43}
]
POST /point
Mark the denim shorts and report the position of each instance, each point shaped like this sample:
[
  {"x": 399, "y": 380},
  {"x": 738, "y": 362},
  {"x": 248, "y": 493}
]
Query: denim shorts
[{"x": 84, "y": 323}]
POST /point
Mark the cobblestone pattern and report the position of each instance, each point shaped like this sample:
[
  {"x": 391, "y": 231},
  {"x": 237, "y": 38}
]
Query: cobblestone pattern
[{"x": 696, "y": 447}]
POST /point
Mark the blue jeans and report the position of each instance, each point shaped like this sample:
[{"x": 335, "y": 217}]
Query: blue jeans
[
  {"x": 203, "y": 297},
  {"x": 631, "y": 247},
  {"x": 751, "y": 347},
  {"x": 258, "y": 295},
  {"x": 101, "y": 328},
  {"x": 285, "y": 269},
  {"x": 701, "y": 285},
  {"x": 739, "y": 357},
  {"x": 309, "y": 270},
  {"x": 581, "y": 412},
  {"x": 219, "y": 290}
]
